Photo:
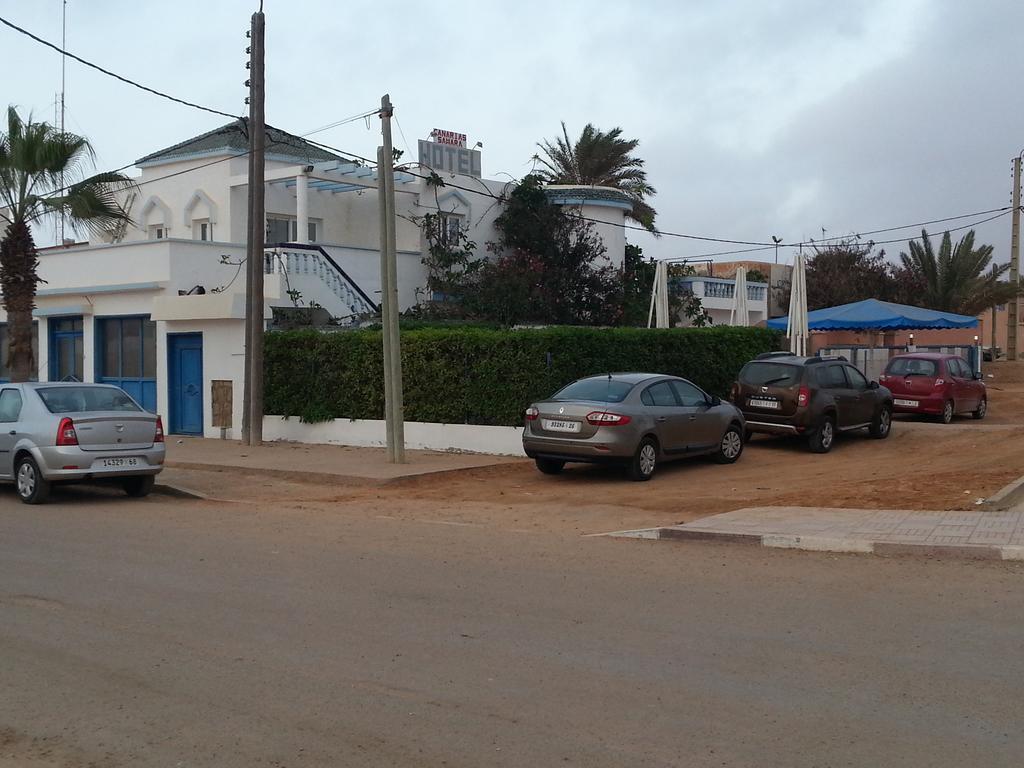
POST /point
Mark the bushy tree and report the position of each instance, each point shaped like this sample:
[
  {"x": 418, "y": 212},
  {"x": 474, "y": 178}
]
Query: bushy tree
[
  {"x": 847, "y": 272},
  {"x": 550, "y": 267}
]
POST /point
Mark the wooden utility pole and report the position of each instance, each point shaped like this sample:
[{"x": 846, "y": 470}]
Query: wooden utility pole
[
  {"x": 1012, "y": 321},
  {"x": 252, "y": 420},
  {"x": 394, "y": 410}
]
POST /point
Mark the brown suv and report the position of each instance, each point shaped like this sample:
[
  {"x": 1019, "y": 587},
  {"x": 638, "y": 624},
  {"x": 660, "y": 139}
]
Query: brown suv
[{"x": 780, "y": 393}]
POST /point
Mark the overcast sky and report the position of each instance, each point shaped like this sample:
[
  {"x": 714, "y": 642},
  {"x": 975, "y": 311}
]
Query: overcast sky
[{"x": 755, "y": 118}]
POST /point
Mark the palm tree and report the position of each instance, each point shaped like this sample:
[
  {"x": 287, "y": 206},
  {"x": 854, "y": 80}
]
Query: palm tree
[
  {"x": 36, "y": 163},
  {"x": 603, "y": 159},
  {"x": 956, "y": 279}
]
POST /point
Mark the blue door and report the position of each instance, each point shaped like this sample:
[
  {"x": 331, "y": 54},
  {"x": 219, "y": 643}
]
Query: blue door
[
  {"x": 66, "y": 349},
  {"x": 185, "y": 383}
]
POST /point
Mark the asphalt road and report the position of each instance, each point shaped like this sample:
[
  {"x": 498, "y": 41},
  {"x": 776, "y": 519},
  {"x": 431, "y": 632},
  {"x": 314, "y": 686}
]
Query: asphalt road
[{"x": 180, "y": 633}]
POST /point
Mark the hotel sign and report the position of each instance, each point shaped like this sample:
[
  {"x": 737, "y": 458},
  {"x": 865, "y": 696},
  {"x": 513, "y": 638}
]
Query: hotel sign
[
  {"x": 448, "y": 137},
  {"x": 450, "y": 158}
]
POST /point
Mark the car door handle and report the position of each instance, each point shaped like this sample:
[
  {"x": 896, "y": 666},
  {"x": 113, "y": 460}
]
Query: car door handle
[
  {"x": 663, "y": 418},
  {"x": 693, "y": 417},
  {"x": 13, "y": 432}
]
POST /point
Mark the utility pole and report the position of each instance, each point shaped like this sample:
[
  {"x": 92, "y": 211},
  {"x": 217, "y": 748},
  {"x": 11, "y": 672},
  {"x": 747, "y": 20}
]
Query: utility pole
[
  {"x": 63, "y": 85},
  {"x": 394, "y": 411},
  {"x": 1012, "y": 322},
  {"x": 252, "y": 401}
]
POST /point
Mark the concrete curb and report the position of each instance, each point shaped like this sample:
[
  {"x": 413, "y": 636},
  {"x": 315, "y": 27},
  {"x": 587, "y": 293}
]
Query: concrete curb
[
  {"x": 281, "y": 474},
  {"x": 178, "y": 492},
  {"x": 323, "y": 477},
  {"x": 826, "y": 544},
  {"x": 1008, "y": 495}
]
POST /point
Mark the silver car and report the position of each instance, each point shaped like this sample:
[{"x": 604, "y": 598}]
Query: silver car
[
  {"x": 636, "y": 419},
  {"x": 71, "y": 432}
]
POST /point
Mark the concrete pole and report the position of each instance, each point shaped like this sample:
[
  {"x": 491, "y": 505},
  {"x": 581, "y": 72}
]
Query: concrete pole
[
  {"x": 385, "y": 301},
  {"x": 302, "y": 208},
  {"x": 386, "y": 175},
  {"x": 1012, "y": 321},
  {"x": 258, "y": 129}
]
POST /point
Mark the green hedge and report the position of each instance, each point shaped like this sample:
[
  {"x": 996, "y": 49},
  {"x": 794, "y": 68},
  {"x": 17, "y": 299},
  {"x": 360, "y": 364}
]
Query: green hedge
[{"x": 486, "y": 376}]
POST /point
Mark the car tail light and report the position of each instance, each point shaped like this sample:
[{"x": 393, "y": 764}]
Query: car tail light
[
  {"x": 734, "y": 393},
  {"x": 159, "y": 437},
  {"x": 803, "y": 397},
  {"x": 607, "y": 419},
  {"x": 66, "y": 434},
  {"x": 532, "y": 413}
]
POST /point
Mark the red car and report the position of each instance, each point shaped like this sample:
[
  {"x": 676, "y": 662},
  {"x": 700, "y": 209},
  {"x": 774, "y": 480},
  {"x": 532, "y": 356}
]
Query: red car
[{"x": 935, "y": 384}]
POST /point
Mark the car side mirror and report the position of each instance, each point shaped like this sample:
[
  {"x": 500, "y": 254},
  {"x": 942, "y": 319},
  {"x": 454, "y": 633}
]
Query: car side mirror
[
  {"x": 978, "y": 375},
  {"x": 715, "y": 400},
  {"x": 873, "y": 385}
]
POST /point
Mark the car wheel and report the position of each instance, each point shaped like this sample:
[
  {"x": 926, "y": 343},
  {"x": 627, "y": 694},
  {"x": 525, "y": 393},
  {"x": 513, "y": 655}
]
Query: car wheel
[
  {"x": 982, "y": 409},
  {"x": 947, "y": 412},
  {"x": 881, "y": 425},
  {"x": 31, "y": 486},
  {"x": 645, "y": 460},
  {"x": 731, "y": 446},
  {"x": 549, "y": 466},
  {"x": 138, "y": 486},
  {"x": 822, "y": 438}
]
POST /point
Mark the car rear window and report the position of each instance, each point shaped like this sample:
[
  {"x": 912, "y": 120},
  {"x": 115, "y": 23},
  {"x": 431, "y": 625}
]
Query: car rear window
[
  {"x": 86, "y": 399},
  {"x": 778, "y": 374},
  {"x": 601, "y": 390},
  {"x": 912, "y": 366}
]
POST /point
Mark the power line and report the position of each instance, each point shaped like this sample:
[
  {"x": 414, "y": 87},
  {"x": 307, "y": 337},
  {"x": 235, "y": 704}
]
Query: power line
[
  {"x": 760, "y": 246},
  {"x": 859, "y": 234},
  {"x": 116, "y": 76},
  {"x": 338, "y": 123}
]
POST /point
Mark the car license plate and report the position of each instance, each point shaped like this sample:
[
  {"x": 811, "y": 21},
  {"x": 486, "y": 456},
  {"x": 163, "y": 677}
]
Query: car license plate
[
  {"x": 906, "y": 403},
  {"x": 760, "y": 402},
  {"x": 128, "y": 461},
  {"x": 561, "y": 426}
]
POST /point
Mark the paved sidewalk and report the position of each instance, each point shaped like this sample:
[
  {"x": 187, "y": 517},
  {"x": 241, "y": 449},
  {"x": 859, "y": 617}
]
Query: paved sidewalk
[
  {"x": 300, "y": 461},
  {"x": 995, "y": 535}
]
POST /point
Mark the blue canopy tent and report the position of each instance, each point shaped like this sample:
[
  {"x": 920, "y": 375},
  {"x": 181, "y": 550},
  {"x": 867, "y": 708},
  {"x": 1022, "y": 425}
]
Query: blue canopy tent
[{"x": 872, "y": 314}]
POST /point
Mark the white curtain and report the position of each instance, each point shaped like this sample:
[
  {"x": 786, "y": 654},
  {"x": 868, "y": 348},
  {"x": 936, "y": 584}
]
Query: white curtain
[
  {"x": 796, "y": 327},
  {"x": 658, "y": 314},
  {"x": 739, "y": 315}
]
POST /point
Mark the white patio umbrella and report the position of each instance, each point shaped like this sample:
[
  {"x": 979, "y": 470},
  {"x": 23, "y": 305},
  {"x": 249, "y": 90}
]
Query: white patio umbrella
[
  {"x": 739, "y": 315},
  {"x": 658, "y": 313},
  {"x": 796, "y": 327}
]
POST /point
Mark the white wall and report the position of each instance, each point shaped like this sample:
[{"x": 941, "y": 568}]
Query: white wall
[
  {"x": 368, "y": 433},
  {"x": 223, "y": 358}
]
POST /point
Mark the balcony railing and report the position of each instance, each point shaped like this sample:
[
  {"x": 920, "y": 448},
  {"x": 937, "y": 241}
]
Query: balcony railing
[
  {"x": 314, "y": 261},
  {"x": 719, "y": 288}
]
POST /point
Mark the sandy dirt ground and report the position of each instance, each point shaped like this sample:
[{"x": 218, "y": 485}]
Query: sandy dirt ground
[{"x": 923, "y": 465}]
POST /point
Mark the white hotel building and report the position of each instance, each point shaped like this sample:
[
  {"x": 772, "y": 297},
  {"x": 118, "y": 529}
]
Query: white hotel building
[{"x": 160, "y": 310}]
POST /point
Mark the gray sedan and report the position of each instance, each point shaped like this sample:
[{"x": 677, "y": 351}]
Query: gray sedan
[
  {"x": 636, "y": 419},
  {"x": 70, "y": 432}
]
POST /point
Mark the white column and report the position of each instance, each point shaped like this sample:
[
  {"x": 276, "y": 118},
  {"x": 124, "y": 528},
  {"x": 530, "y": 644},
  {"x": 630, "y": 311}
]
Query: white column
[{"x": 302, "y": 208}]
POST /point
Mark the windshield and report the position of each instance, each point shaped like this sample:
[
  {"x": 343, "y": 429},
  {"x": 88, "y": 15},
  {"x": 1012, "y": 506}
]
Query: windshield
[
  {"x": 85, "y": 399},
  {"x": 912, "y": 366},
  {"x": 778, "y": 374},
  {"x": 599, "y": 390}
]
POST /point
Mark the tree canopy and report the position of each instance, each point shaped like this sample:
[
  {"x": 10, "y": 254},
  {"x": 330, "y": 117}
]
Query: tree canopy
[
  {"x": 41, "y": 172},
  {"x": 957, "y": 279},
  {"x": 599, "y": 158}
]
